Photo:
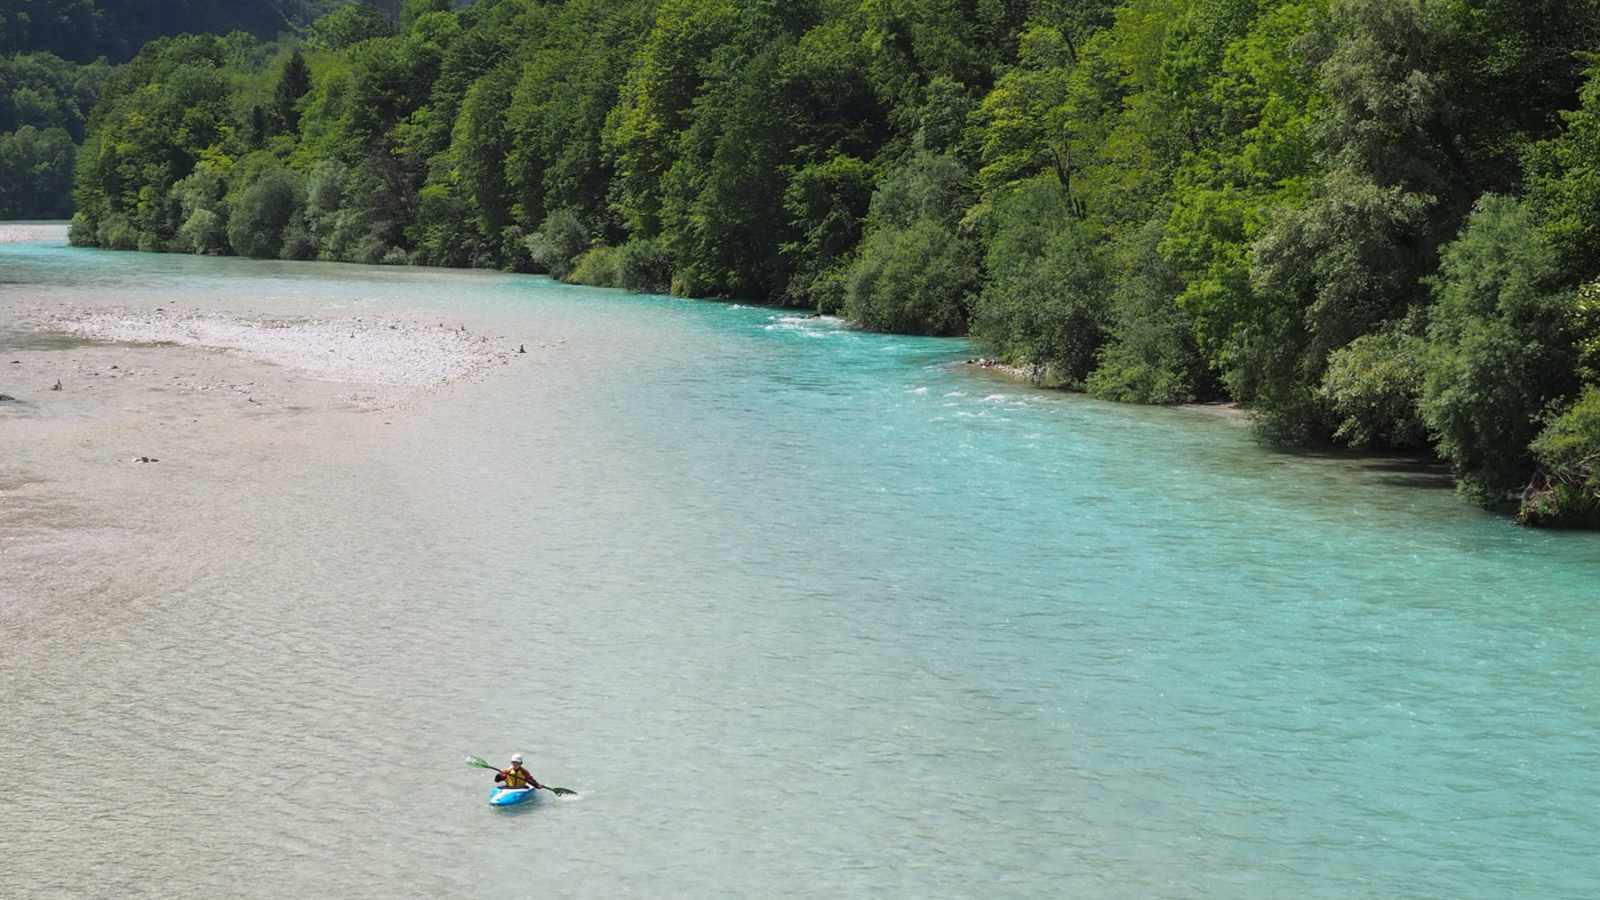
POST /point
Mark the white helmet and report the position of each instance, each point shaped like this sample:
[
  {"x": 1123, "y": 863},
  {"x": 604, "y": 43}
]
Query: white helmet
[{"x": 516, "y": 759}]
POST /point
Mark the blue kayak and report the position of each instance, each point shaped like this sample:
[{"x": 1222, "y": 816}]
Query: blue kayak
[{"x": 511, "y": 796}]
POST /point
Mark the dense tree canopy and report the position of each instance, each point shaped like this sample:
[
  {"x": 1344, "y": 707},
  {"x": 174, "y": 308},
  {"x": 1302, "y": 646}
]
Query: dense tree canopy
[
  {"x": 53, "y": 59},
  {"x": 44, "y": 108},
  {"x": 1372, "y": 221}
]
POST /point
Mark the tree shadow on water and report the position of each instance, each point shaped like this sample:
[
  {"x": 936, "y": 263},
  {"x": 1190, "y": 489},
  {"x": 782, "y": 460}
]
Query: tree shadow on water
[{"x": 1422, "y": 472}]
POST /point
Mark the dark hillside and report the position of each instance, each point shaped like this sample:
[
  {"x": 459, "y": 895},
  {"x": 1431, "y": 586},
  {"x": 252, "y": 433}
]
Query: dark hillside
[{"x": 82, "y": 30}]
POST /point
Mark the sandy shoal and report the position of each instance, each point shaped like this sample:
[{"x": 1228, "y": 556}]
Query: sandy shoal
[{"x": 158, "y": 409}]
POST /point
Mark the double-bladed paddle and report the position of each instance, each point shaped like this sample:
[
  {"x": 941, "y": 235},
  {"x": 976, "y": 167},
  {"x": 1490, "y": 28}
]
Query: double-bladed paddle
[{"x": 485, "y": 764}]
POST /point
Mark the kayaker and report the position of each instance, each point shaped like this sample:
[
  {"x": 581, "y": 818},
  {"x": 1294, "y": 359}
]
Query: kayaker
[{"x": 517, "y": 777}]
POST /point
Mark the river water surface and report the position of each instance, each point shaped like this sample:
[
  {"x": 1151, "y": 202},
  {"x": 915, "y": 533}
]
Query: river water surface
[{"x": 799, "y": 611}]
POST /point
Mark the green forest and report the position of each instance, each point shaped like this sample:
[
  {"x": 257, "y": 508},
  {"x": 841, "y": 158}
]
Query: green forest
[
  {"x": 1372, "y": 222},
  {"x": 54, "y": 54}
]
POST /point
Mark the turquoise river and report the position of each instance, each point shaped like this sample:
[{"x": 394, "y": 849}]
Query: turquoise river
[{"x": 798, "y": 610}]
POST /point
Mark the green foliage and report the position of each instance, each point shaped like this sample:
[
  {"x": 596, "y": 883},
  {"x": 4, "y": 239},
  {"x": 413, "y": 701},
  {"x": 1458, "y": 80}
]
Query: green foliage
[
  {"x": 1501, "y": 348},
  {"x": 655, "y": 102},
  {"x": 721, "y": 215},
  {"x": 827, "y": 204},
  {"x": 1150, "y": 355},
  {"x": 479, "y": 144},
  {"x": 1564, "y": 184},
  {"x": 263, "y": 212},
  {"x": 45, "y": 91},
  {"x": 1046, "y": 299},
  {"x": 914, "y": 41},
  {"x": 1374, "y": 385},
  {"x": 930, "y": 186},
  {"x": 36, "y": 173},
  {"x": 915, "y": 279},
  {"x": 144, "y": 140},
  {"x": 566, "y": 88},
  {"x": 413, "y": 11},
  {"x": 44, "y": 107},
  {"x": 914, "y": 272},
  {"x": 349, "y": 25},
  {"x": 1026, "y": 118},
  {"x": 1567, "y": 491},
  {"x": 558, "y": 243},
  {"x": 200, "y": 198},
  {"x": 325, "y": 188},
  {"x": 203, "y": 231},
  {"x": 644, "y": 266},
  {"x": 1320, "y": 276},
  {"x": 293, "y": 83},
  {"x": 785, "y": 95},
  {"x": 443, "y": 235},
  {"x": 600, "y": 267},
  {"x": 115, "y": 232},
  {"x": 942, "y": 119}
]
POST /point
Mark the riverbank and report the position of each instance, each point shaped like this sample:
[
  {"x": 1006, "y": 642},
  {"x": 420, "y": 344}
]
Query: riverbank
[
  {"x": 1033, "y": 376},
  {"x": 41, "y": 230},
  {"x": 114, "y": 417},
  {"x": 371, "y": 361}
]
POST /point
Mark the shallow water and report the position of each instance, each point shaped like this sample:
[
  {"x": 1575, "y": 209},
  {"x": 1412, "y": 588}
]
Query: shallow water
[{"x": 799, "y": 611}]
